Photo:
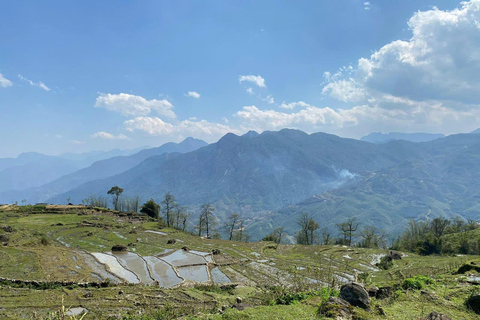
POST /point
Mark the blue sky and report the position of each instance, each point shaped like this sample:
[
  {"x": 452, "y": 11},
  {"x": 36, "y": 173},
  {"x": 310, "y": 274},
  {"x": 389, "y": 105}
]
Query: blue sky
[{"x": 90, "y": 75}]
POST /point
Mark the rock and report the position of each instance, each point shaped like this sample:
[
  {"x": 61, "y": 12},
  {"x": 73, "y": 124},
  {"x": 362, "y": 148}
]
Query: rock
[
  {"x": 395, "y": 255},
  {"x": 467, "y": 268},
  {"x": 241, "y": 306},
  {"x": 131, "y": 244},
  {"x": 336, "y": 308},
  {"x": 120, "y": 292},
  {"x": 215, "y": 252},
  {"x": 372, "y": 292},
  {"x": 171, "y": 241},
  {"x": 379, "y": 310},
  {"x": 384, "y": 293},
  {"x": 8, "y": 229},
  {"x": 224, "y": 307},
  {"x": 474, "y": 303},
  {"x": 355, "y": 294},
  {"x": 89, "y": 234},
  {"x": 74, "y": 312},
  {"x": 88, "y": 294},
  {"x": 119, "y": 247},
  {"x": 3, "y": 238},
  {"x": 185, "y": 248},
  {"x": 239, "y": 300},
  {"x": 437, "y": 316}
]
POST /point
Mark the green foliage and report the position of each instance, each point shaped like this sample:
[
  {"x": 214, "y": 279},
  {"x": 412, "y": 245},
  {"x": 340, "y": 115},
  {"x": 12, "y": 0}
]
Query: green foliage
[
  {"x": 292, "y": 297},
  {"x": 151, "y": 209},
  {"x": 385, "y": 263},
  {"x": 417, "y": 282}
]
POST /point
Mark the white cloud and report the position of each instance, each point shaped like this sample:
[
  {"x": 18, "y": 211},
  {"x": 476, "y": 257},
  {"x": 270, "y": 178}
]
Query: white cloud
[
  {"x": 193, "y": 94},
  {"x": 249, "y": 90},
  {"x": 4, "y": 82},
  {"x": 269, "y": 99},
  {"x": 292, "y": 105},
  {"x": 131, "y": 105},
  {"x": 36, "y": 84},
  {"x": 432, "y": 76},
  {"x": 77, "y": 142},
  {"x": 258, "y": 80},
  {"x": 197, "y": 128},
  {"x": 366, "y": 5},
  {"x": 109, "y": 136}
]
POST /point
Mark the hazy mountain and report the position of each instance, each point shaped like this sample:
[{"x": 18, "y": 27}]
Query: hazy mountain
[
  {"x": 33, "y": 169},
  {"x": 263, "y": 171},
  {"x": 378, "y": 137},
  {"x": 444, "y": 181},
  {"x": 87, "y": 158},
  {"x": 98, "y": 170}
]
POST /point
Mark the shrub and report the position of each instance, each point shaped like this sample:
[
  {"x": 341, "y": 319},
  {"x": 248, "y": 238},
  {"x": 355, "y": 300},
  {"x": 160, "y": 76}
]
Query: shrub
[{"x": 417, "y": 283}]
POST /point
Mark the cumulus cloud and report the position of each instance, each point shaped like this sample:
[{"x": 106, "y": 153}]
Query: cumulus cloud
[
  {"x": 293, "y": 105},
  {"x": 193, "y": 94},
  {"x": 436, "y": 69},
  {"x": 131, "y": 105},
  {"x": 36, "y": 84},
  {"x": 258, "y": 80},
  {"x": 4, "y": 82},
  {"x": 109, "y": 136},
  {"x": 191, "y": 127}
]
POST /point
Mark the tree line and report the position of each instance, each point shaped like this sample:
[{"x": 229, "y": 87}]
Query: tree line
[
  {"x": 348, "y": 232},
  {"x": 169, "y": 213}
]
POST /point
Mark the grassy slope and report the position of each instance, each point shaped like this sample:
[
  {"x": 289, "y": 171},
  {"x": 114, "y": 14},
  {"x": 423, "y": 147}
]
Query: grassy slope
[{"x": 26, "y": 258}]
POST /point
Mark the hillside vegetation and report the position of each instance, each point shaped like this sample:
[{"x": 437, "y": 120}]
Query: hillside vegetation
[{"x": 45, "y": 260}]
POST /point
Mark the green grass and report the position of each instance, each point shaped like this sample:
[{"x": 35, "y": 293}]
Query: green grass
[{"x": 276, "y": 274}]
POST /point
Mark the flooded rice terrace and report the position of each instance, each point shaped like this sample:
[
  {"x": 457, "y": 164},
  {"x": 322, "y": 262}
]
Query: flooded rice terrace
[{"x": 166, "y": 271}]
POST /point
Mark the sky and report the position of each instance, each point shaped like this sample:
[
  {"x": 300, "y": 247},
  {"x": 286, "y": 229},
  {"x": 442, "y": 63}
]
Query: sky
[{"x": 89, "y": 75}]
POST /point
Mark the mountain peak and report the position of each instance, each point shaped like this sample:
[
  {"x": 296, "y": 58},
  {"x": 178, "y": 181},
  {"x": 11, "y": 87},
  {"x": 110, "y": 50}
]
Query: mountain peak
[{"x": 251, "y": 134}]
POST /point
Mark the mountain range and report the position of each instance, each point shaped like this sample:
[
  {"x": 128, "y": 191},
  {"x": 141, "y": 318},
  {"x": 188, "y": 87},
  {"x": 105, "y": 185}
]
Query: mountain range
[
  {"x": 98, "y": 170},
  {"x": 271, "y": 178}
]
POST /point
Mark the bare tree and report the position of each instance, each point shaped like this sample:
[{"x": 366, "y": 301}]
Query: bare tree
[
  {"x": 169, "y": 203},
  {"x": 208, "y": 218},
  {"x": 302, "y": 236},
  {"x": 371, "y": 238},
  {"x": 348, "y": 229},
  {"x": 231, "y": 224},
  {"x": 326, "y": 236}
]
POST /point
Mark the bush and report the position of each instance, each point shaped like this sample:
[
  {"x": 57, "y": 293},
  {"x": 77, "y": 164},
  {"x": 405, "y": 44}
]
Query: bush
[
  {"x": 292, "y": 297},
  {"x": 417, "y": 283},
  {"x": 385, "y": 263}
]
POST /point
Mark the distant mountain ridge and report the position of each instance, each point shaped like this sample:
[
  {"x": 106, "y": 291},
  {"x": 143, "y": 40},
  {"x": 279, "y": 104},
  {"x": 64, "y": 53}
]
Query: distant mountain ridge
[
  {"x": 378, "y": 137},
  {"x": 98, "y": 170},
  {"x": 262, "y": 171}
]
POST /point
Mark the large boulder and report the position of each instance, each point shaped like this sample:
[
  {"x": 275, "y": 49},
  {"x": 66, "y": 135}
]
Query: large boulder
[
  {"x": 3, "y": 238},
  {"x": 395, "y": 255},
  {"x": 355, "y": 294},
  {"x": 437, "y": 316},
  {"x": 474, "y": 303},
  {"x": 336, "y": 308},
  {"x": 119, "y": 248}
]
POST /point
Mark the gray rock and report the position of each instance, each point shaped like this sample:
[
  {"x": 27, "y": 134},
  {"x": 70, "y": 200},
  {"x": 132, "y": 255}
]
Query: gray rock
[
  {"x": 474, "y": 303},
  {"x": 437, "y": 316},
  {"x": 355, "y": 294},
  {"x": 336, "y": 308}
]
